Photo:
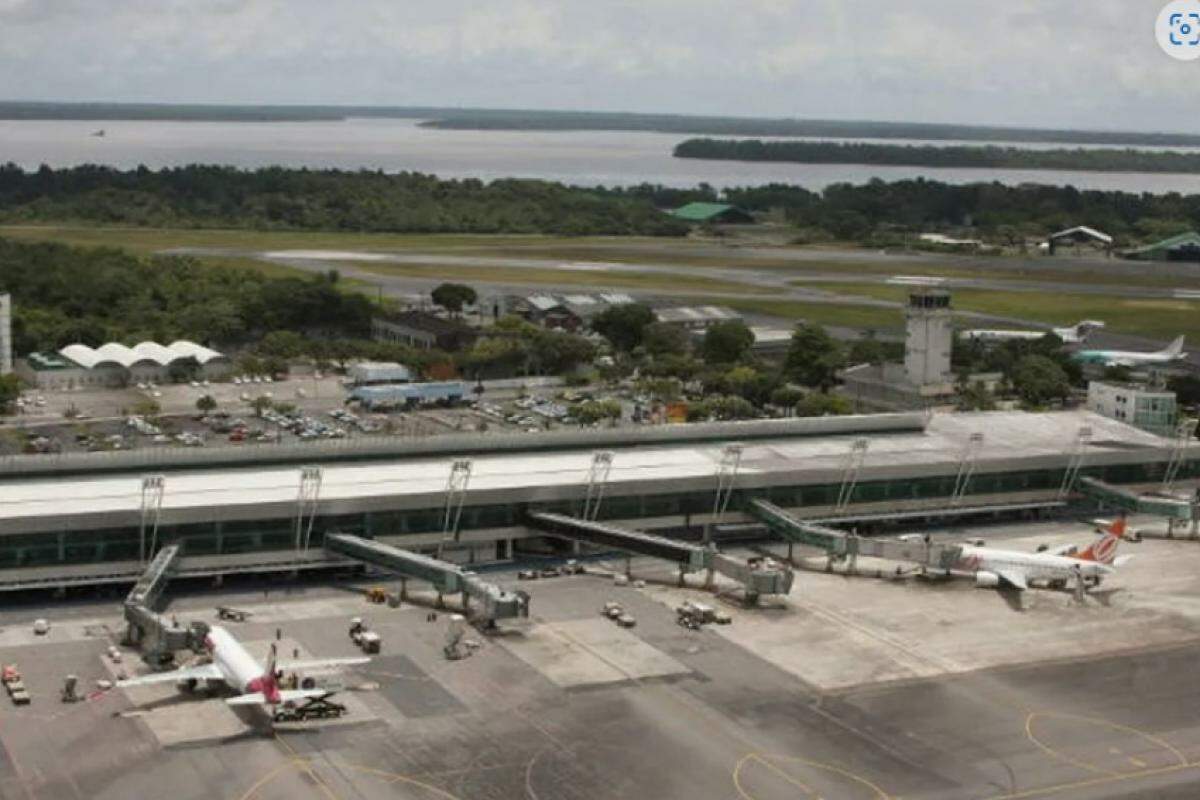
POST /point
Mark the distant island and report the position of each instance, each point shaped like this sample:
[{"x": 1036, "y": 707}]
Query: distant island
[
  {"x": 484, "y": 119},
  {"x": 990, "y": 157}
]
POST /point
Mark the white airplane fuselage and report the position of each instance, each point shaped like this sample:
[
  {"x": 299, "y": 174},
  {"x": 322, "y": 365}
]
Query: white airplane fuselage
[
  {"x": 1074, "y": 334},
  {"x": 1041, "y": 567},
  {"x": 241, "y": 671}
]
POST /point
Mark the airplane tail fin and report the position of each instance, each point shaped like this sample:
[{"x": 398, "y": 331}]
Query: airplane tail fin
[
  {"x": 1175, "y": 348},
  {"x": 1104, "y": 549}
]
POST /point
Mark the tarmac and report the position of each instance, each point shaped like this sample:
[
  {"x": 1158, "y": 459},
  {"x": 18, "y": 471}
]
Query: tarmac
[{"x": 851, "y": 687}]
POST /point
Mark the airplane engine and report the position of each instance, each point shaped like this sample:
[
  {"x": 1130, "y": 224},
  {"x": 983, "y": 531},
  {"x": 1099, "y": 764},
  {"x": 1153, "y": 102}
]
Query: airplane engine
[{"x": 987, "y": 580}]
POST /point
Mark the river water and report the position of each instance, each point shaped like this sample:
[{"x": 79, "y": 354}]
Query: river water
[{"x": 611, "y": 158}]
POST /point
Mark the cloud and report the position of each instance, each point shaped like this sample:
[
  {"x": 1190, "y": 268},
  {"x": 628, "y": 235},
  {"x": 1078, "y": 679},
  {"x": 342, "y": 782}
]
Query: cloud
[{"x": 1026, "y": 62}]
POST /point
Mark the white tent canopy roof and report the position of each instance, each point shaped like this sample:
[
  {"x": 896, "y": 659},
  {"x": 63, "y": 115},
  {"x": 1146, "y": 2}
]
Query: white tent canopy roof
[{"x": 115, "y": 353}]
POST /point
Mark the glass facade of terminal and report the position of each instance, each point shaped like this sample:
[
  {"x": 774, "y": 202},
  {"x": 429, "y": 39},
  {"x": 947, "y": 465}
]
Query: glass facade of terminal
[{"x": 238, "y": 537}]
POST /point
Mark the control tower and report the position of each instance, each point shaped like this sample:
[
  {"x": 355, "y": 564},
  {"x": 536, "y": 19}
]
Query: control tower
[{"x": 929, "y": 337}]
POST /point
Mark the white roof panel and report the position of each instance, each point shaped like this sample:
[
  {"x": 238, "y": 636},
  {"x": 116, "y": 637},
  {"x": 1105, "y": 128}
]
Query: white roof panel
[{"x": 1009, "y": 435}]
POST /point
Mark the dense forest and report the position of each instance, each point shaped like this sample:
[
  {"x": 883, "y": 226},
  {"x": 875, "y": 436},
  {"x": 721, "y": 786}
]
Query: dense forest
[
  {"x": 879, "y": 209},
  {"x": 301, "y": 199},
  {"x": 283, "y": 199},
  {"x": 65, "y": 294},
  {"x": 1092, "y": 160}
]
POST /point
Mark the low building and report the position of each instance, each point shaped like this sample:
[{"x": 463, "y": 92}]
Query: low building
[
  {"x": 943, "y": 240},
  {"x": 423, "y": 330},
  {"x": 405, "y": 395},
  {"x": 1078, "y": 236},
  {"x": 569, "y": 312},
  {"x": 712, "y": 213},
  {"x": 1182, "y": 247},
  {"x": 371, "y": 373},
  {"x": 1152, "y": 410},
  {"x": 78, "y": 366},
  {"x": 771, "y": 342},
  {"x": 695, "y": 317}
]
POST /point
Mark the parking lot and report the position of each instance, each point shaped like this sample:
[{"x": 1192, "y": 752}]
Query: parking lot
[{"x": 265, "y": 412}]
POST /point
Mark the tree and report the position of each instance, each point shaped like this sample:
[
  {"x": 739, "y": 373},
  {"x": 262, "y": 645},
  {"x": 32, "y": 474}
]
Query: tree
[
  {"x": 592, "y": 411},
  {"x": 661, "y": 389},
  {"x": 869, "y": 350},
  {"x": 260, "y": 404},
  {"x": 282, "y": 344},
  {"x": 206, "y": 404},
  {"x": 146, "y": 408},
  {"x": 813, "y": 357},
  {"x": 556, "y": 352},
  {"x": 1037, "y": 380},
  {"x": 623, "y": 325},
  {"x": 453, "y": 296},
  {"x": 821, "y": 404},
  {"x": 786, "y": 396},
  {"x": 493, "y": 355},
  {"x": 726, "y": 342},
  {"x": 974, "y": 396},
  {"x": 729, "y": 407},
  {"x": 10, "y": 390},
  {"x": 664, "y": 339}
]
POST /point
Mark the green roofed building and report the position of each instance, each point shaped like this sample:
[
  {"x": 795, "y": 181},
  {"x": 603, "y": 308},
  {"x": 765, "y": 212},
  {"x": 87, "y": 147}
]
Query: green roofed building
[
  {"x": 711, "y": 212},
  {"x": 1183, "y": 247}
]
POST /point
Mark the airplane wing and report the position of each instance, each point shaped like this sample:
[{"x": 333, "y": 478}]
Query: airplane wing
[
  {"x": 1121, "y": 362},
  {"x": 202, "y": 672},
  {"x": 1062, "y": 550},
  {"x": 320, "y": 663},
  {"x": 1013, "y": 578},
  {"x": 285, "y": 696}
]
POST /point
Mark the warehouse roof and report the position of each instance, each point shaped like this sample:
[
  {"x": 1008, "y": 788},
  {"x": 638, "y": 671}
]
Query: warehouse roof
[
  {"x": 1179, "y": 240},
  {"x": 707, "y": 212},
  {"x": 695, "y": 314},
  {"x": 1082, "y": 231},
  {"x": 416, "y": 482}
]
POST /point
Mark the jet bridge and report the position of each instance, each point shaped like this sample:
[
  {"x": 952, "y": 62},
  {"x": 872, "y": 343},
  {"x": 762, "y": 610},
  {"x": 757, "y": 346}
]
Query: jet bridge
[
  {"x": 495, "y": 603},
  {"x": 839, "y": 544},
  {"x": 1179, "y": 509},
  {"x": 158, "y": 635},
  {"x": 756, "y": 578}
]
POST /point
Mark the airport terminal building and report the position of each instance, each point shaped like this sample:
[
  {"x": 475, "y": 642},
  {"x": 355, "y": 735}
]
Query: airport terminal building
[{"x": 94, "y": 517}]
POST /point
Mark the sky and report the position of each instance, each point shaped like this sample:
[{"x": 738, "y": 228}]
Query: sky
[{"x": 1046, "y": 63}]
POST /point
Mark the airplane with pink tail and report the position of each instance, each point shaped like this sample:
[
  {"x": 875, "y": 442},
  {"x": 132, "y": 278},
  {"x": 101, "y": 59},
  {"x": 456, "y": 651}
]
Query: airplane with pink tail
[{"x": 256, "y": 683}]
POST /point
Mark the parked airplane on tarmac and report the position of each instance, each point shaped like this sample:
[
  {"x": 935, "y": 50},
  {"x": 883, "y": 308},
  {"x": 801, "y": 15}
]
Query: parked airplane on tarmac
[
  {"x": 1126, "y": 358},
  {"x": 1016, "y": 569},
  {"x": 240, "y": 671},
  {"x": 1073, "y": 334}
]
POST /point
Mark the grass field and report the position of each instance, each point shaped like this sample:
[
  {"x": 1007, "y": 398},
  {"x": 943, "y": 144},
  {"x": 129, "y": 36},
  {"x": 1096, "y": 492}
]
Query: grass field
[
  {"x": 149, "y": 240},
  {"x": 1158, "y": 319}
]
